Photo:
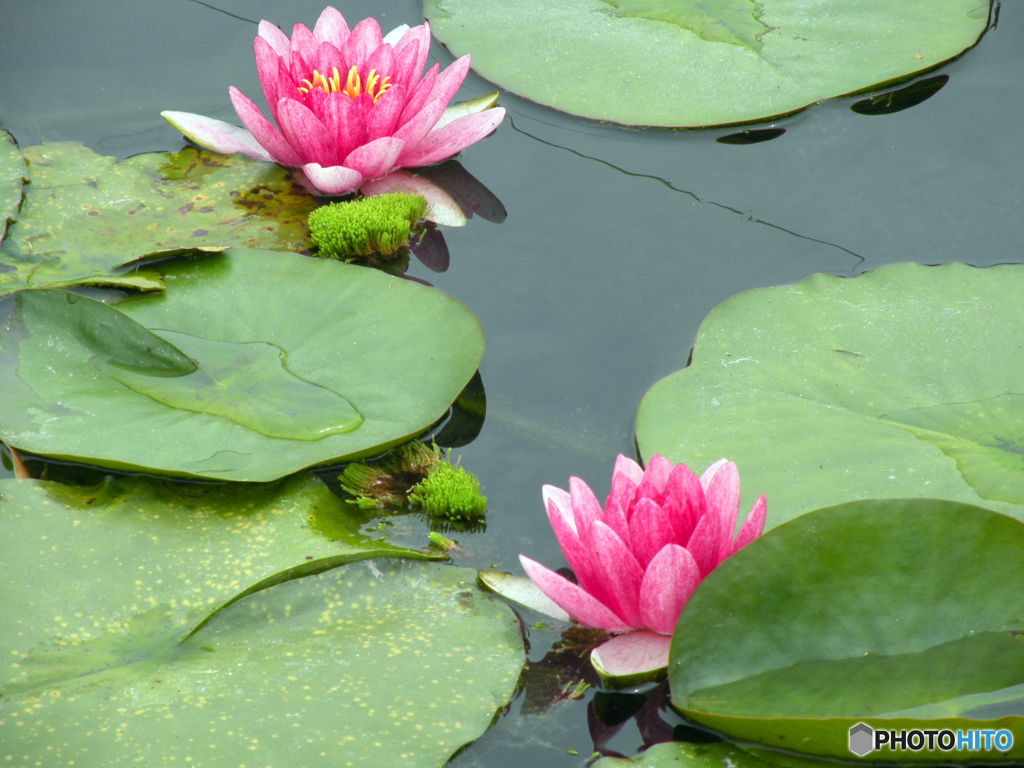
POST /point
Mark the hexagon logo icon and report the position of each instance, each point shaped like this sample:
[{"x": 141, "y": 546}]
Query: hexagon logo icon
[{"x": 862, "y": 738}]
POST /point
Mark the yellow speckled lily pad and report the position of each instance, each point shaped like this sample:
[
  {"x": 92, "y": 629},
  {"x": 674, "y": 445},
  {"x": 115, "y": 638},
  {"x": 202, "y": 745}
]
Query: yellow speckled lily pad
[
  {"x": 84, "y": 214},
  {"x": 374, "y": 663}
]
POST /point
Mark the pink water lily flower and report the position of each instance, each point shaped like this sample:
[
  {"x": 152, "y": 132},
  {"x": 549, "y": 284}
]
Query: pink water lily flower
[
  {"x": 639, "y": 559},
  {"x": 349, "y": 105}
]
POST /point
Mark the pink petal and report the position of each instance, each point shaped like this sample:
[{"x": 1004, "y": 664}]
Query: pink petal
[
  {"x": 618, "y": 573},
  {"x": 684, "y": 488},
  {"x": 649, "y": 530},
  {"x": 263, "y": 131},
  {"x": 303, "y": 43},
  {"x": 753, "y": 526},
  {"x": 577, "y": 554},
  {"x": 449, "y": 81},
  {"x": 440, "y": 144},
  {"x": 584, "y": 608},
  {"x": 405, "y": 62},
  {"x": 364, "y": 40},
  {"x": 273, "y": 74},
  {"x": 584, "y": 503},
  {"x": 333, "y": 180},
  {"x": 278, "y": 40},
  {"x": 704, "y": 542},
  {"x": 562, "y": 501},
  {"x": 327, "y": 58},
  {"x": 331, "y": 28},
  {"x": 629, "y": 468},
  {"x": 441, "y": 207},
  {"x": 420, "y": 38},
  {"x": 306, "y": 134},
  {"x": 668, "y": 583},
  {"x": 382, "y": 119},
  {"x": 722, "y": 496},
  {"x": 344, "y": 122},
  {"x": 382, "y": 60},
  {"x": 415, "y": 130},
  {"x": 376, "y": 158},
  {"x": 615, "y": 518},
  {"x": 655, "y": 477},
  {"x": 217, "y": 135},
  {"x": 635, "y": 654},
  {"x": 418, "y": 95},
  {"x": 710, "y": 472}
]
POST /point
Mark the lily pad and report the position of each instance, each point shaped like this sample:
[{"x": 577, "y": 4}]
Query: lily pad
[
  {"x": 903, "y": 382},
  {"x": 86, "y": 215},
  {"x": 12, "y": 175},
  {"x": 336, "y": 669},
  {"x": 901, "y": 614},
  {"x": 696, "y": 63},
  {"x": 258, "y": 364}
]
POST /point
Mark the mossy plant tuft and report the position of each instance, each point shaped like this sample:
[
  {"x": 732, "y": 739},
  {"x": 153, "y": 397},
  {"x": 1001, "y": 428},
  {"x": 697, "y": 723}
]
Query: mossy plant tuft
[
  {"x": 374, "y": 228},
  {"x": 450, "y": 491}
]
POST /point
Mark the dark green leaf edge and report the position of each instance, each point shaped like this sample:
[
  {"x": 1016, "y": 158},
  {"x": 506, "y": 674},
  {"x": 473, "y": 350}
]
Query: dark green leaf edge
[{"x": 312, "y": 568}]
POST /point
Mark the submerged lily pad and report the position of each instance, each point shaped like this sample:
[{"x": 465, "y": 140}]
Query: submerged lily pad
[
  {"x": 85, "y": 215},
  {"x": 258, "y": 364},
  {"x": 12, "y": 174},
  {"x": 695, "y": 63},
  {"x": 902, "y": 614},
  {"x": 353, "y": 667},
  {"x": 903, "y": 382}
]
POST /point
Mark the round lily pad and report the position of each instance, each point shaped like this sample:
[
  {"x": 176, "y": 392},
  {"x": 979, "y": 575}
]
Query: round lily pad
[
  {"x": 85, "y": 214},
  {"x": 899, "y": 614},
  {"x": 369, "y": 664},
  {"x": 695, "y": 63},
  {"x": 903, "y": 382},
  {"x": 256, "y": 365}
]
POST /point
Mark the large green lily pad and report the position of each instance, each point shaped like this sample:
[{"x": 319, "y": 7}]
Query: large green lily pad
[
  {"x": 352, "y": 667},
  {"x": 902, "y": 614},
  {"x": 694, "y": 63},
  {"x": 258, "y": 364},
  {"x": 12, "y": 176},
  {"x": 85, "y": 215},
  {"x": 903, "y": 382}
]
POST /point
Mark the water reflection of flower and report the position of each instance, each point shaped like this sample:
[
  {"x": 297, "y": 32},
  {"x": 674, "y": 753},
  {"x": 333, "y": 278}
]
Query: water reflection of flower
[{"x": 350, "y": 106}]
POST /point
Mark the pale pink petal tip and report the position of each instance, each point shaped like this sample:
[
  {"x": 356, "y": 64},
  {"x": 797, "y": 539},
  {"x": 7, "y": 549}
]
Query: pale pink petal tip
[
  {"x": 334, "y": 180},
  {"x": 463, "y": 108},
  {"x": 582, "y": 607},
  {"x": 629, "y": 468},
  {"x": 632, "y": 659},
  {"x": 217, "y": 135},
  {"x": 441, "y": 207},
  {"x": 710, "y": 472}
]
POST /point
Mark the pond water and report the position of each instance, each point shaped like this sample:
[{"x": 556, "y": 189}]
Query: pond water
[{"x": 617, "y": 243}]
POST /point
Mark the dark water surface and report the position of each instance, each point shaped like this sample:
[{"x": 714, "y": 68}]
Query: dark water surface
[{"x": 617, "y": 243}]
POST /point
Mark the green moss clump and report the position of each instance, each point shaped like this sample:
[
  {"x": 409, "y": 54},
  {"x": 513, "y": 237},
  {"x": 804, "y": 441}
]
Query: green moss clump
[
  {"x": 450, "y": 491},
  {"x": 371, "y": 227}
]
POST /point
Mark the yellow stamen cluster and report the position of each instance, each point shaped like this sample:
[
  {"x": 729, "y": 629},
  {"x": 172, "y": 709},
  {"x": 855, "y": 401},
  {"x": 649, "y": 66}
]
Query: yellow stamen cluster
[{"x": 375, "y": 86}]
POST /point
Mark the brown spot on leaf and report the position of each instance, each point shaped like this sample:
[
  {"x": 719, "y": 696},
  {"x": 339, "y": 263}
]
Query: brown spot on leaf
[
  {"x": 200, "y": 233},
  {"x": 186, "y": 208}
]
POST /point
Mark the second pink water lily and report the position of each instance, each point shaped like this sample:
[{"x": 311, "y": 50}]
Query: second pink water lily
[
  {"x": 638, "y": 559},
  {"x": 349, "y": 105}
]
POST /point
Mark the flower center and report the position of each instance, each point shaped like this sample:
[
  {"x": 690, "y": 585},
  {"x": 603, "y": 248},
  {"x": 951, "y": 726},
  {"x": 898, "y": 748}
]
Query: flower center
[{"x": 354, "y": 85}]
